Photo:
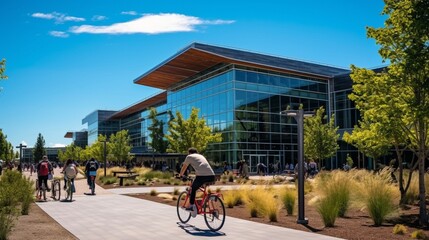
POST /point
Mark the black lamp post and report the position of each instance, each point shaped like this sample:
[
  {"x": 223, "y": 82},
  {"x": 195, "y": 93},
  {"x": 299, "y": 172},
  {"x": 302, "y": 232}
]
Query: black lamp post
[
  {"x": 21, "y": 146},
  {"x": 299, "y": 116},
  {"x": 104, "y": 155}
]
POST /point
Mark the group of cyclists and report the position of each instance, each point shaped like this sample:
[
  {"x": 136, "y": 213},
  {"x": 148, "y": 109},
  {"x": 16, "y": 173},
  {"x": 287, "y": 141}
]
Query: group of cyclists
[{"x": 45, "y": 171}]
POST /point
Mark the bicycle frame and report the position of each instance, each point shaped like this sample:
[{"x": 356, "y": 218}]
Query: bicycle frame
[
  {"x": 210, "y": 205},
  {"x": 199, "y": 203}
]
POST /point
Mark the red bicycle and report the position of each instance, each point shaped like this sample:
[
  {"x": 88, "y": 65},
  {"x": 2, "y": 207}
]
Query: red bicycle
[{"x": 210, "y": 205}]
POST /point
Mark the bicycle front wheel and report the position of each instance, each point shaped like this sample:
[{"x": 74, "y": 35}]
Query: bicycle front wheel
[
  {"x": 182, "y": 200},
  {"x": 214, "y": 213}
]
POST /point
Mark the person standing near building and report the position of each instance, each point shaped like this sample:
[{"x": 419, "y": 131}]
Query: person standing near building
[
  {"x": 44, "y": 168},
  {"x": 204, "y": 174}
]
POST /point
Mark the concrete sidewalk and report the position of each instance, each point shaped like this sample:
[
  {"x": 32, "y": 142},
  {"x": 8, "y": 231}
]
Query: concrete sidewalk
[{"x": 109, "y": 215}]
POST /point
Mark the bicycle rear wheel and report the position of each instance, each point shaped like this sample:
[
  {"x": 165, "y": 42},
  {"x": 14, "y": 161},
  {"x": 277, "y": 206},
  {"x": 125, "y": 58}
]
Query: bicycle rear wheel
[
  {"x": 56, "y": 190},
  {"x": 92, "y": 185},
  {"x": 69, "y": 191},
  {"x": 214, "y": 213},
  {"x": 182, "y": 200}
]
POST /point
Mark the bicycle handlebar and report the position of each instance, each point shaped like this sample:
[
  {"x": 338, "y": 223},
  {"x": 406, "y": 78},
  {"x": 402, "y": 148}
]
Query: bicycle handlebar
[{"x": 184, "y": 178}]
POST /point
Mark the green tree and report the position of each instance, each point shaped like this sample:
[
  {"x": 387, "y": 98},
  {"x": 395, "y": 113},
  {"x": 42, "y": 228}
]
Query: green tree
[
  {"x": 320, "y": 139},
  {"x": 3, "y": 69},
  {"x": 6, "y": 148},
  {"x": 72, "y": 152},
  {"x": 368, "y": 141},
  {"x": 157, "y": 132},
  {"x": 382, "y": 104},
  {"x": 39, "y": 149},
  {"x": 96, "y": 150},
  {"x": 120, "y": 146},
  {"x": 404, "y": 42},
  {"x": 193, "y": 132}
]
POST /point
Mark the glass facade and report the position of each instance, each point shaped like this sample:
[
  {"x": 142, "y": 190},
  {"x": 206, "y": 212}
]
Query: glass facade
[
  {"x": 99, "y": 122},
  {"x": 244, "y": 104},
  {"x": 346, "y": 117}
]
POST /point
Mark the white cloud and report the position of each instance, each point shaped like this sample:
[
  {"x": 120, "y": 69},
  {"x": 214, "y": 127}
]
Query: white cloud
[
  {"x": 58, "y": 17},
  {"x": 24, "y": 143},
  {"x": 58, "y": 145},
  {"x": 59, "y": 34},
  {"x": 98, "y": 18},
  {"x": 150, "y": 24},
  {"x": 133, "y": 13}
]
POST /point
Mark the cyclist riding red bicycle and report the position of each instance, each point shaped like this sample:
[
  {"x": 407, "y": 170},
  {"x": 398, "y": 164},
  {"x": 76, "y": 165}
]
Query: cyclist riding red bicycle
[{"x": 204, "y": 174}]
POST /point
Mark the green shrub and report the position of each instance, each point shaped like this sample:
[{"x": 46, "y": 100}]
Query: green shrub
[
  {"x": 6, "y": 224},
  {"x": 255, "y": 199},
  {"x": 107, "y": 180},
  {"x": 27, "y": 192},
  {"x": 141, "y": 182},
  {"x": 328, "y": 210},
  {"x": 153, "y": 192},
  {"x": 288, "y": 198},
  {"x": 230, "y": 177},
  {"x": 399, "y": 229},
  {"x": 340, "y": 191},
  {"x": 233, "y": 198},
  {"x": 176, "y": 191},
  {"x": 157, "y": 174},
  {"x": 128, "y": 182},
  {"x": 271, "y": 208},
  {"x": 419, "y": 234},
  {"x": 379, "y": 202}
]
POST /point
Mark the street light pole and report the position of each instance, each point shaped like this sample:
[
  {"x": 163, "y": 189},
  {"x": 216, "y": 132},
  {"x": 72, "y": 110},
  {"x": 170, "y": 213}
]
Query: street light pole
[
  {"x": 105, "y": 156},
  {"x": 21, "y": 146},
  {"x": 299, "y": 115}
]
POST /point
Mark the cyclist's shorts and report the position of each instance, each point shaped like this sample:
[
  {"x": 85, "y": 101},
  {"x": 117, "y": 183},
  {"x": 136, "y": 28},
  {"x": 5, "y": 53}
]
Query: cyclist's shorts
[{"x": 92, "y": 173}]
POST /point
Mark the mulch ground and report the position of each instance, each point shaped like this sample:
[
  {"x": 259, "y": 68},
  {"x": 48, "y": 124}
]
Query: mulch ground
[{"x": 356, "y": 225}]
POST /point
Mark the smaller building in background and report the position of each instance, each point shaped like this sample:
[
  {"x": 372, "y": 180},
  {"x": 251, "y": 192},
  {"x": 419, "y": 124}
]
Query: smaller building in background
[
  {"x": 79, "y": 139},
  {"x": 51, "y": 152}
]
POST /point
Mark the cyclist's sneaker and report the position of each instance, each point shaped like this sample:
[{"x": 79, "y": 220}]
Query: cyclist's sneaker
[
  {"x": 65, "y": 187},
  {"x": 48, "y": 189},
  {"x": 193, "y": 210}
]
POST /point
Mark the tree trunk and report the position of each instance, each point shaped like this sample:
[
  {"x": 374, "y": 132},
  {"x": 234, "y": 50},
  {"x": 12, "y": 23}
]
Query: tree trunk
[{"x": 423, "y": 218}]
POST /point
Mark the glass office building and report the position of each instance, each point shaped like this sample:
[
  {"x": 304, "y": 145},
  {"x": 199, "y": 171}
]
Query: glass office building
[
  {"x": 240, "y": 94},
  {"x": 100, "y": 122}
]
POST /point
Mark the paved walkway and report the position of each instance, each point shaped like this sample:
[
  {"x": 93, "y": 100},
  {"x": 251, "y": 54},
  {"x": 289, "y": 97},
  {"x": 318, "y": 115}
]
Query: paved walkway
[{"x": 110, "y": 215}]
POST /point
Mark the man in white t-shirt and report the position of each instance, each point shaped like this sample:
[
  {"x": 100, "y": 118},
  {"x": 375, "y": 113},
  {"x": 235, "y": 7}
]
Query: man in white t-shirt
[{"x": 204, "y": 174}]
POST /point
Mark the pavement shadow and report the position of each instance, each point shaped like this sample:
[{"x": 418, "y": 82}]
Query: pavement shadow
[{"x": 192, "y": 230}]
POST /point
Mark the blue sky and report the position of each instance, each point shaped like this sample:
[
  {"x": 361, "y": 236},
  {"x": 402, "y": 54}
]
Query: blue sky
[{"x": 67, "y": 58}]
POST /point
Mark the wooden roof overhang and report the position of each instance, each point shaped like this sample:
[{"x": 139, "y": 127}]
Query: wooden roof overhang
[
  {"x": 191, "y": 61},
  {"x": 146, "y": 103}
]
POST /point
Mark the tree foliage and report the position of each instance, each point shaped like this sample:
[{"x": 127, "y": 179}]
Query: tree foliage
[
  {"x": 73, "y": 152},
  {"x": 2, "y": 70},
  {"x": 96, "y": 150},
  {"x": 157, "y": 132},
  {"x": 6, "y": 148},
  {"x": 193, "y": 132},
  {"x": 39, "y": 148},
  {"x": 404, "y": 86},
  {"x": 119, "y": 145},
  {"x": 320, "y": 138}
]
